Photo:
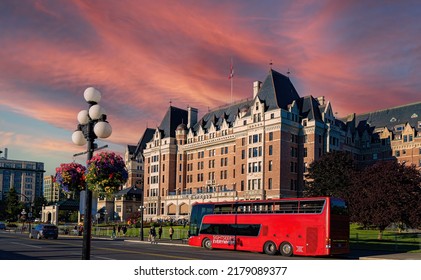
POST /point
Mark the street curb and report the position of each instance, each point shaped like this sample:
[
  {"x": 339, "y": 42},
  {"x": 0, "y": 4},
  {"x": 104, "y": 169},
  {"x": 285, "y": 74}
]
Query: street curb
[{"x": 159, "y": 243}]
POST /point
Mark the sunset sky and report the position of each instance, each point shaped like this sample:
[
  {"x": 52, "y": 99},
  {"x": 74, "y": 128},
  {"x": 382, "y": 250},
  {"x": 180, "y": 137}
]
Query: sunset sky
[{"x": 361, "y": 55}]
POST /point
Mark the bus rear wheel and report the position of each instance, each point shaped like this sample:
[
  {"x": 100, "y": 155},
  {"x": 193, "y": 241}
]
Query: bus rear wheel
[
  {"x": 285, "y": 249},
  {"x": 269, "y": 248},
  {"x": 207, "y": 244}
]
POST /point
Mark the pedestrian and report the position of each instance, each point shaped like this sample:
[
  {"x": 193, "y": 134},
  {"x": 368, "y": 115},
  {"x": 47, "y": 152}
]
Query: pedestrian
[
  {"x": 160, "y": 232},
  {"x": 118, "y": 230},
  {"x": 113, "y": 235},
  {"x": 124, "y": 229},
  {"x": 80, "y": 233},
  {"x": 152, "y": 234},
  {"x": 171, "y": 231}
]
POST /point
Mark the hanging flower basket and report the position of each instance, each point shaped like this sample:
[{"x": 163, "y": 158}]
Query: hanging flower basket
[
  {"x": 70, "y": 177},
  {"x": 106, "y": 173}
]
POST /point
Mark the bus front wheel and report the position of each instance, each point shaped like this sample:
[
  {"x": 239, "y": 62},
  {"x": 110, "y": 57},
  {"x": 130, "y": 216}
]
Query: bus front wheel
[
  {"x": 269, "y": 248},
  {"x": 206, "y": 243},
  {"x": 285, "y": 249}
]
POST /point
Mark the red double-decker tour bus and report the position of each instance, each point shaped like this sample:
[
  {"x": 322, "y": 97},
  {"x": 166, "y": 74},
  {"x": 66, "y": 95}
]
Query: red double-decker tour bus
[{"x": 316, "y": 226}]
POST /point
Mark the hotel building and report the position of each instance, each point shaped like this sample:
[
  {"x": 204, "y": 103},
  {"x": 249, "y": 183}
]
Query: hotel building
[{"x": 260, "y": 148}]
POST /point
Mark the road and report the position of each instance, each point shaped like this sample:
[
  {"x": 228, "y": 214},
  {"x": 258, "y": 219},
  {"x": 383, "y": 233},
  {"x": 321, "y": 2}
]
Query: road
[{"x": 16, "y": 246}]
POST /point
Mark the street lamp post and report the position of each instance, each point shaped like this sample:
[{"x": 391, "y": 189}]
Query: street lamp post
[
  {"x": 92, "y": 125},
  {"x": 141, "y": 209}
]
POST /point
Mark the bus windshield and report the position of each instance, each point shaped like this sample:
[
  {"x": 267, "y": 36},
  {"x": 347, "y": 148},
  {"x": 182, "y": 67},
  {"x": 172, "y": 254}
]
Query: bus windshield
[{"x": 196, "y": 216}]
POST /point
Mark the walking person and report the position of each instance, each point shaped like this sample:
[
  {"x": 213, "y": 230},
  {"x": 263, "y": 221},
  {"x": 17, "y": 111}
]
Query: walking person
[
  {"x": 171, "y": 231},
  {"x": 160, "y": 232},
  {"x": 152, "y": 235},
  {"x": 124, "y": 229},
  {"x": 113, "y": 235},
  {"x": 118, "y": 230}
]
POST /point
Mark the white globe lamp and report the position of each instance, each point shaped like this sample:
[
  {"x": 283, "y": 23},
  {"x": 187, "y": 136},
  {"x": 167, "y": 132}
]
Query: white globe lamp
[
  {"x": 96, "y": 111},
  {"x": 82, "y": 117},
  {"x": 102, "y": 129},
  {"x": 91, "y": 94},
  {"x": 78, "y": 138}
]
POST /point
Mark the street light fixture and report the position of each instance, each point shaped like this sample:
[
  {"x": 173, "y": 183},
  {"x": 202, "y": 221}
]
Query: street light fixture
[{"x": 92, "y": 125}]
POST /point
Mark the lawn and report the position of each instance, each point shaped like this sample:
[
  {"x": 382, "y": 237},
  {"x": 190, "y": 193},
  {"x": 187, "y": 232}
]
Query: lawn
[{"x": 367, "y": 239}]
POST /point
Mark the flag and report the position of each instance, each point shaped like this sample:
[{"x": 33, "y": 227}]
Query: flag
[{"x": 231, "y": 75}]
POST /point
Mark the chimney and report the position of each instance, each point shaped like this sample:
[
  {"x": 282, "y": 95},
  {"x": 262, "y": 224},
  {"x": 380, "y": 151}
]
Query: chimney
[
  {"x": 256, "y": 86},
  {"x": 5, "y": 153},
  {"x": 321, "y": 100},
  {"x": 192, "y": 116}
]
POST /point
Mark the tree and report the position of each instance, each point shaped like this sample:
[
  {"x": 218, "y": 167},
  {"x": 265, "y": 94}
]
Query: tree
[
  {"x": 38, "y": 203},
  {"x": 13, "y": 205},
  {"x": 330, "y": 175},
  {"x": 385, "y": 193}
]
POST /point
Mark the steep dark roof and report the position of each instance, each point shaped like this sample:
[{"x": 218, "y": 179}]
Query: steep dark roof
[
  {"x": 309, "y": 108},
  {"x": 131, "y": 149},
  {"x": 391, "y": 117},
  {"x": 132, "y": 191},
  {"x": 171, "y": 120},
  {"x": 217, "y": 116},
  {"x": 146, "y": 137},
  {"x": 277, "y": 91}
]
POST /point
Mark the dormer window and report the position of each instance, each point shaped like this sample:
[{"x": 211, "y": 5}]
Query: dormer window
[
  {"x": 414, "y": 115},
  {"x": 399, "y": 128},
  {"x": 393, "y": 119}
]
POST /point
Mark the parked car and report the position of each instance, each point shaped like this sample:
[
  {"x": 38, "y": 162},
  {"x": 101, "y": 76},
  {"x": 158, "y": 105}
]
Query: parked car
[
  {"x": 2, "y": 226},
  {"x": 44, "y": 231}
]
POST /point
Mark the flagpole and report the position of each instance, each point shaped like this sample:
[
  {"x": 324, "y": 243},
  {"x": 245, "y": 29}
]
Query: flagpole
[
  {"x": 231, "y": 77},
  {"x": 232, "y": 80}
]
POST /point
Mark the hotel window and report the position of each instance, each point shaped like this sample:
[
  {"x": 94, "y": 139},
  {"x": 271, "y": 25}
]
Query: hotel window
[
  {"x": 272, "y": 116},
  {"x": 270, "y": 183},
  {"x": 397, "y": 153},
  {"x": 243, "y": 141},
  {"x": 270, "y": 136},
  {"x": 305, "y": 152},
  {"x": 270, "y": 165},
  {"x": 270, "y": 150}
]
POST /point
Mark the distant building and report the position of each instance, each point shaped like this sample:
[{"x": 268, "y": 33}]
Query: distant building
[
  {"x": 26, "y": 177},
  {"x": 51, "y": 189},
  {"x": 261, "y": 148}
]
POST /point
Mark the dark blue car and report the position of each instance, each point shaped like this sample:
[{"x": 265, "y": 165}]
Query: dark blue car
[{"x": 44, "y": 231}]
